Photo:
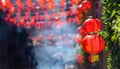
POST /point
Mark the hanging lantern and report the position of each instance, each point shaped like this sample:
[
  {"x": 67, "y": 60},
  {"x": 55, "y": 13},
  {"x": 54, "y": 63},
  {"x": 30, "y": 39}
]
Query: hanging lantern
[
  {"x": 49, "y": 5},
  {"x": 30, "y": 4},
  {"x": 81, "y": 31},
  {"x": 79, "y": 39},
  {"x": 22, "y": 21},
  {"x": 12, "y": 10},
  {"x": 14, "y": 21},
  {"x": 41, "y": 3},
  {"x": 27, "y": 25},
  {"x": 18, "y": 25},
  {"x": 62, "y": 3},
  {"x": 93, "y": 44},
  {"x": 32, "y": 20},
  {"x": 86, "y": 5},
  {"x": 19, "y": 4},
  {"x": 80, "y": 58},
  {"x": 37, "y": 25},
  {"x": 3, "y": 2},
  {"x": 80, "y": 15},
  {"x": 92, "y": 25},
  {"x": 80, "y": 9},
  {"x": 75, "y": 2}
]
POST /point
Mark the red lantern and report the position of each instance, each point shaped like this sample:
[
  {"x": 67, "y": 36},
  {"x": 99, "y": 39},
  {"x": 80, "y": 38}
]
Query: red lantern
[
  {"x": 18, "y": 25},
  {"x": 81, "y": 31},
  {"x": 79, "y": 39},
  {"x": 86, "y": 5},
  {"x": 37, "y": 24},
  {"x": 62, "y": 3},
  {"x": 30, "y": 4},
  {"x": 19, "y": 4},
  {"x": 92, "y": 25},
  {"x": 93, "y": 44},
  {"x": 79, "y": 58},
  {"x": 22, "y": 21},
  {"x": 80, "y": 9},
  {"x": 79, "y": 14},
  {"x": 27, "y": 25}
]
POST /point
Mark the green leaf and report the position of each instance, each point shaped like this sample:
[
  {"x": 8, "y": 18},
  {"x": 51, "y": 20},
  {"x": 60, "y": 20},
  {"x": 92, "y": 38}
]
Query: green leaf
[
  {"x": 118, "y": 5},
  {"x": 113, "y": 13}
]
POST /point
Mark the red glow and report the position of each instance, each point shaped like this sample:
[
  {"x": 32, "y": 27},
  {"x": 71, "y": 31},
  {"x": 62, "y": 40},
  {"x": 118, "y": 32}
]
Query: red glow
[
  {"x": 29, "y": 3},
  {"x": 92, "y": 25},
  {"x": 81, "y": 31},
  {"x": 19, "y": 4},
  {"x": 79, "y": 39},
  {"x": 93, "y": 44},
  {"x": 79, "y": 58},
  {"x": 86, "y": 5}
]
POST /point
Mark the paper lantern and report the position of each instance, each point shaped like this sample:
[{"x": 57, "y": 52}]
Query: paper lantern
[
  {"x": 75, "y": 2},
  {"x": 22, "y": 21},
  {"x": 81, "y": 31},
  {"x": 92, "y": 25},
  {"x": 80, "y": 9},
  {"x": 41, "y": 3},
  {"x": 80, "y": 15},
  {"x": 80, "y": 58},
  {"x": 30, "y": 4},
  {"x": 18, "y": 25},
  {"x": 27, "y": 25},
  {"x": 86, "y": 5},
  {"x": 78, "y": 39},
  {"x": 93, "y": 44},
  {"x": 19, "y": 4}
]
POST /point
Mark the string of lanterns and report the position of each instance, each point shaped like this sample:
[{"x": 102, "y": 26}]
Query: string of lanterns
[
  {"x": 19, "y": 12},
  {"x": 92, "y": 43},
  {"x": 89, "y": 38}
]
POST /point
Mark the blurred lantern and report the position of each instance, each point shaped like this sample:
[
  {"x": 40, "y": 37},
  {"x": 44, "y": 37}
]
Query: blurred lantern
[
  {"x": 22, "y": 21},
  {"x": 11, "y": 20},
  {"x": 27, "y": 25},
  {"x": 49, "y": 5},
  {"x": 56, "y": 18},
  {"x": 79, "y": 39},
  {"x": 3, "y": 3},
  {"x": 18, "y": 25},
  {"x": 93, "y": 58},
  {"x": 93, "y": 44},
  {"x": 37, "y": 25},
  {"x": 9, "y": 4},
  {"x": 32, "y": 21},
  {"x": 79, "y": 15},
  {"x": 41, "y": 3},
  {"x": 80, "y": 58},
  {"x": 30, "y": 4},
  {"x": 75, "y": 2},
  {"x": 92, "y": 25},
  {"x": 80, "y": 9},
  {"x": 6, "y": 18},
  {"x": 77, "y": 20},
  {"x": 49, "y": 1},
  {"x": 81, "y": 31},
  {"x": 62, "y": 3},
  {"x": 86, "y": 5},
  {"x": 14, "y": 21},
  {"x": 12, "y": 10},
  {"x": 19, "y": 4}
]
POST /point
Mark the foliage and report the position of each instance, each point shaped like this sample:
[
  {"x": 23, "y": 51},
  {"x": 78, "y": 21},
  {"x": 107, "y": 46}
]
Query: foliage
[{"x": 111, "y": 31}]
